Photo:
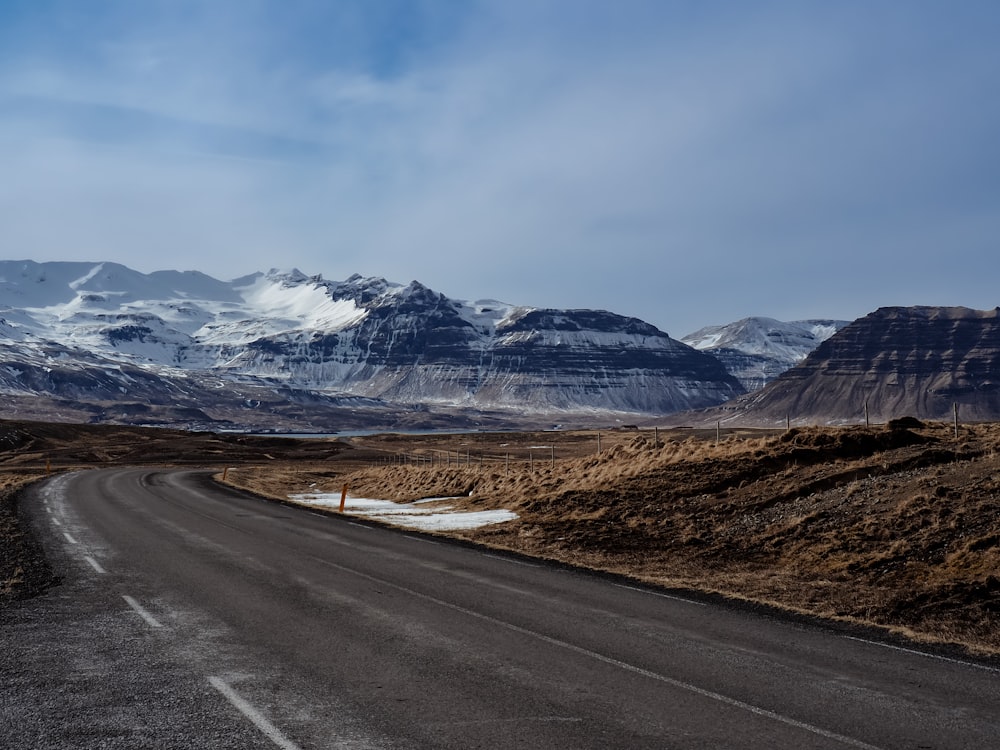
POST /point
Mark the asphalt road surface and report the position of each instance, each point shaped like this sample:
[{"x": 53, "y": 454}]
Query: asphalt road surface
[{"x": 191, "y": 616}]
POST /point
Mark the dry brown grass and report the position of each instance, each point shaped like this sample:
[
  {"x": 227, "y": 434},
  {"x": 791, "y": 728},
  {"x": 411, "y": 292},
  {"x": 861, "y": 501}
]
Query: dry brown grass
[
  {"x": 22, "y": 570},
  {"x": 896, "y": 528}
]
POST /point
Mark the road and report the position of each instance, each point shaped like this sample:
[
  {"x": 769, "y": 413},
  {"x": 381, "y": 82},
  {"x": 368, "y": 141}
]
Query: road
[{"x": 192, "y": 616}]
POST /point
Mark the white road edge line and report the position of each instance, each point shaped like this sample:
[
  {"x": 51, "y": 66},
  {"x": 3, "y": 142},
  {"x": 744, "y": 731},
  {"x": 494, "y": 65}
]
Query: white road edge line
[
  {"x": 662, "y": 596},
  {"x": 725, "y": 699},
  {"x": 360, "y": 525},
  {"x": 94, "y": 564},
  {"x": 70, "y": 539},
  {"x": 511, "y": 560},
  {"x": 253, "y": 714},
  {"x": 924, "y": 654},
  {"x": 150, "y": 620}
]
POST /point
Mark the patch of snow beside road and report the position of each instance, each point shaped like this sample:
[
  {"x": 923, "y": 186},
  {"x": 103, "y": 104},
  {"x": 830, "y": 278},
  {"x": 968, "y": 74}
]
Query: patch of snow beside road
[{"x": 409, "y": 515}]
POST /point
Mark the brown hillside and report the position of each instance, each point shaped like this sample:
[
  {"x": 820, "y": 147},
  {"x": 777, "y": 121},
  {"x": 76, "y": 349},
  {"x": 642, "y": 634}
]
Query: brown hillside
[{"x": 898, "y": 527}]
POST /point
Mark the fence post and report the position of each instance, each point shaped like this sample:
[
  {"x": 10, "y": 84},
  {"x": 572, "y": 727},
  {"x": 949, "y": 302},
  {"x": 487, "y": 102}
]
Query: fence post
[{"x": 552, "y": 457}]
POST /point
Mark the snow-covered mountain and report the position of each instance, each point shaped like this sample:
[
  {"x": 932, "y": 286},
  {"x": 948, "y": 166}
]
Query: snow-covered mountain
[
  {"x": 101, "y": 332},
  {"x": 757, "y": 350}
]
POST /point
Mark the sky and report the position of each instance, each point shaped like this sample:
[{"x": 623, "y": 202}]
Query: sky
[{"x": 687, "y": 162}]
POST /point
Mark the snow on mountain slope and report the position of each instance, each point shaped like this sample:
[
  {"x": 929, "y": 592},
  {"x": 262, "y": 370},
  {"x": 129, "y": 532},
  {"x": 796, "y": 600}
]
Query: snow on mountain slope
[
  {"x": 758, "y": 350},
  {"x": 362, "y": 337}
]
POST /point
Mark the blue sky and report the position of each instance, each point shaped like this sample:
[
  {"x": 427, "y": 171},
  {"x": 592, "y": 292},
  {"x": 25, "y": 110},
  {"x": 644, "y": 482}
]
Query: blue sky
[{"x": 689, "y": 163}]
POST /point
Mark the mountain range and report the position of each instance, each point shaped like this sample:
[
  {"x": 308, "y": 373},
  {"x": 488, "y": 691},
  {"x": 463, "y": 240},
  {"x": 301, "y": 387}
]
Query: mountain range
[
  {"x": 282, "y": 349},
  {"x": 290, "y": 352}
]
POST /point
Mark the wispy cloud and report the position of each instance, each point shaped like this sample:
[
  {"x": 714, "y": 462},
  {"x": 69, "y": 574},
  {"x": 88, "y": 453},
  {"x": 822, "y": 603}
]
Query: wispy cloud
[{"x": 687, "y": 163}]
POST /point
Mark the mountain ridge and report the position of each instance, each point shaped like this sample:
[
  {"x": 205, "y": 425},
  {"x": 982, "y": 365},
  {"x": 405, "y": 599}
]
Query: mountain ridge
[
  {"x": 366, "y": 338},
  {"x": 756, "y": 350},
  {"x": 919, "y": 361}
]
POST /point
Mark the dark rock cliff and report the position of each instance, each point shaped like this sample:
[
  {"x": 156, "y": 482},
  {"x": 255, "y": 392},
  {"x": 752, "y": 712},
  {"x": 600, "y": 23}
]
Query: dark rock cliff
[{"x": 917, "y": 361}]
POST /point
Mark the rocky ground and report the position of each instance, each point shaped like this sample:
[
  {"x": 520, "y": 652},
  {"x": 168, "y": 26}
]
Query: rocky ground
[{"x": 895, "y": 526}]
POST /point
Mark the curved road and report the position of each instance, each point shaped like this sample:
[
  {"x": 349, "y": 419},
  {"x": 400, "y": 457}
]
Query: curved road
[{"x": 194, "y": 616}]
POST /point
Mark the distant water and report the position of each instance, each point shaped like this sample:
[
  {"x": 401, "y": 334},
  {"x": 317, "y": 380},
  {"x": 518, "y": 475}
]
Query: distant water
[{"x": 363, "y": 433}]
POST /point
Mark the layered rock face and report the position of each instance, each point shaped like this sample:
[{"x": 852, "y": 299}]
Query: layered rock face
[
  {"x": 105, "y": 332},
  {"x": 902, "y": 361},
  {"x": 757, "y": 350},
  {"x": 410, "y": 344}
]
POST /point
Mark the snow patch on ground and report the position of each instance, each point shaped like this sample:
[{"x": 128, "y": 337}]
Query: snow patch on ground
[{"x": 411, "y": 515}]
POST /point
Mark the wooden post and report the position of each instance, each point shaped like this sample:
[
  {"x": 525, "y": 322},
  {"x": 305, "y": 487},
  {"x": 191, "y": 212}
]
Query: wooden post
[
  {"x": 656, "y": 436},
  {"x": 343, "y": 498},
  {"x": 718, "y": 432},
  {"x": 955, "y": 407},
  {"x": 506, "y": 463},
  {"x": 867, "y": 422},
  {"x": 598, "y": 443},
  {"x": 552, "y": 456},
  {"x": 788, "y": 423},
  {"x": 225, "y": 473},
  {"x": 531, "y": 461}
]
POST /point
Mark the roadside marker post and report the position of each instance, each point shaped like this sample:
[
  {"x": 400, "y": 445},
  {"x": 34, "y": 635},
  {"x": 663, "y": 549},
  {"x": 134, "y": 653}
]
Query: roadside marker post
[
  {"x": 343, "y": 499},
  {"x": 225, "y": 473}
]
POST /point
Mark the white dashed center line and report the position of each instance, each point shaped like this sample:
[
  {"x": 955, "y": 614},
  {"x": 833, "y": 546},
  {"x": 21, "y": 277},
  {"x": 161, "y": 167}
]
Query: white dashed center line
[
  {"x": 94, "y": 564},
  {"x": 150, "y": 620},
  {"x": 253, "y": 714},
  {"x": 70, "y": 539}
]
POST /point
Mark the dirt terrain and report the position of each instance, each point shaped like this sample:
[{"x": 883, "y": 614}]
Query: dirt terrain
[{"x": 896, "y": 526}]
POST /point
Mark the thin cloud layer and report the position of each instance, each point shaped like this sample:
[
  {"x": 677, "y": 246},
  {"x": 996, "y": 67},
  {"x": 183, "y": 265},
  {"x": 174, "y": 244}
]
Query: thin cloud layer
[{"x": 685, "y": 163}]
